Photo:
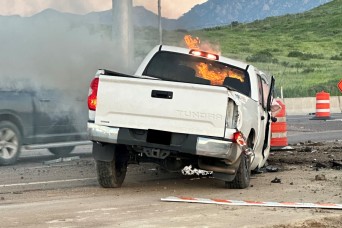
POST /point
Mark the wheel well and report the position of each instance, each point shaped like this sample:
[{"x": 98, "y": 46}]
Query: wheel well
[
  {"x": 13, "y": 119},
  {"x": 251, "y": 135}
]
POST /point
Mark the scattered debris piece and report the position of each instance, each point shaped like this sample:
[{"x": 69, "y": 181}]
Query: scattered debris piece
[
  {"x": 276, "y": 180},
  {"x": 336, "y": 164},
  {"x": 320, "y": 165},
  {"x": 320, "y": 177},
  {"x": 307, "y": 149},
  {"x": 189, "y": 171},
  {"x": 272, "y": 169},
  {"x": 61, "y": 160}
]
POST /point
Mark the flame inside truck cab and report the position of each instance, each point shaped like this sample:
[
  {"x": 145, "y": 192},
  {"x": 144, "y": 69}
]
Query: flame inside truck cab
[{"x": 215, "y": 75}]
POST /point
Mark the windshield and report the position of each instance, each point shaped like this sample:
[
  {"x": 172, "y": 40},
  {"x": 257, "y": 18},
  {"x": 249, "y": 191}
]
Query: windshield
[{"x": 186, "y": 68}]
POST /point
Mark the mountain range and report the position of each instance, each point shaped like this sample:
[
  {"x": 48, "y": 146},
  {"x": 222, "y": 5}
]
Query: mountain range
[{"x": 209, "y": 14}]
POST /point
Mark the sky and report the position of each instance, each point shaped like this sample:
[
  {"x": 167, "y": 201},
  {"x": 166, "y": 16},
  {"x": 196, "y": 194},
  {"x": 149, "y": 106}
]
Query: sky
[{"x": 170, "y": 8}]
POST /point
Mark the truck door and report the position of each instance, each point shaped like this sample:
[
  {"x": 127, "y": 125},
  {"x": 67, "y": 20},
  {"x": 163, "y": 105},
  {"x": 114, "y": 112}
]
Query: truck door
[
  {"x": 269, "y": 94},
  {"x": 262, "y": 113}
]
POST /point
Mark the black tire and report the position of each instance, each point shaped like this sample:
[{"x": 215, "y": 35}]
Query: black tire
[
  {"x": 10, "y": 143},
  {"x": 61, "y": 151},
  {"x": 112, "y": 174},
  {"x": 243, "y": 175}
]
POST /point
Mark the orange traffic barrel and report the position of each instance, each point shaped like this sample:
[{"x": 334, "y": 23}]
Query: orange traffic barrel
[
  {"x": 279, "y": 128},
  {"x": 322, "y": 105}
]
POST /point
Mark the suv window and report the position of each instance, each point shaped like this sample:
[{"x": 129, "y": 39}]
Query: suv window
[{"x": 187, "y": 68}]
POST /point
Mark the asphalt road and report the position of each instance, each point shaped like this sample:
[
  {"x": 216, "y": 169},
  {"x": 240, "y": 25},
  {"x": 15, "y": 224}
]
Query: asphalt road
[
  {"x": 40, "y": 191},
  {"x": 305, "y": 127}
]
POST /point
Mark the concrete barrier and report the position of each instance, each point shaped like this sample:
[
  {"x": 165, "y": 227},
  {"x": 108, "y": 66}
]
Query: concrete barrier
[{"x": 306, "y": 105}]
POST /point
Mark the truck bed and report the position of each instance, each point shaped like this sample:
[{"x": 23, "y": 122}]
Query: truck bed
[{"x": 140, "y": 103}]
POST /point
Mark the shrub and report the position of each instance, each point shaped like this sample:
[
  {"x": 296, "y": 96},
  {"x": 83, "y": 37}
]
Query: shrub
[
  {"x": 336, "y": 57},
  {"x": 262, "y": 57},
  {"x": 305, "y": 56},
  {"x": 295, "y": 54},
  {"x": 308, "y": 70}
]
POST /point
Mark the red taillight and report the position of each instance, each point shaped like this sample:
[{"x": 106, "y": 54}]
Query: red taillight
[
  {"x": 204, "y": 54},
  {"x": 239, "y": 139},
  {"x": 92, "y": 98}
]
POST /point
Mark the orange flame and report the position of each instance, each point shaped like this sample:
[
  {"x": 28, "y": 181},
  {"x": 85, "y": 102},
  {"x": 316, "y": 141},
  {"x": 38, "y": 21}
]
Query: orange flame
[
  {"x": 215, "y": 77},
  {"x": 192, "y": 43}
]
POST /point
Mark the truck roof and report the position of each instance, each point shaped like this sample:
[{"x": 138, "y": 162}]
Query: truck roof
[{"x": 222, "y": 59}]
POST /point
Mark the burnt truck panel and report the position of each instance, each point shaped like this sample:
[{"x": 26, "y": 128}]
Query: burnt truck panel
[{"x": 32, "y": 119}]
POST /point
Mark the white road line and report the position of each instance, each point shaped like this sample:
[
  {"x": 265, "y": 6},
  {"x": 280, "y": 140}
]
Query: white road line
[{"x": 45, "y": 182}]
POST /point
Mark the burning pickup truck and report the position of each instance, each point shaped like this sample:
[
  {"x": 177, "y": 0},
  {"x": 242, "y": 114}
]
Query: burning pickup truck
[{"x": 182, "y": 107}]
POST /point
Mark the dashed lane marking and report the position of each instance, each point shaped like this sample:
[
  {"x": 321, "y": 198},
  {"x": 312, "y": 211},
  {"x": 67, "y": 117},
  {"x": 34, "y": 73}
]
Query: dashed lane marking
[{"x": 45, "y": 182}]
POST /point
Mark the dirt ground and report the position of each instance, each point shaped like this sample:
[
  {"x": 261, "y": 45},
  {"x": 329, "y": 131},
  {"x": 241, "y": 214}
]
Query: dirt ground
[{"x": 311, "y": 173}]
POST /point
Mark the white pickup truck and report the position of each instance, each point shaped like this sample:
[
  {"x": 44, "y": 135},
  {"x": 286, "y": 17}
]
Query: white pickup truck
[{"x": 182, "y": 107}]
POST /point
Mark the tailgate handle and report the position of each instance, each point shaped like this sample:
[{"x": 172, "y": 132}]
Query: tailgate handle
[{"x": 162, "y": 94}]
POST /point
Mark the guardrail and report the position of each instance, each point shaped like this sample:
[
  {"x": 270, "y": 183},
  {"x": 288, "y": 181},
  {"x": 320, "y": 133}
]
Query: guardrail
[{"x": 306, "y": 105}]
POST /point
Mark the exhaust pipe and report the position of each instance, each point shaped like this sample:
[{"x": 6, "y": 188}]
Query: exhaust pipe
[{"x": 228, "y": 170}]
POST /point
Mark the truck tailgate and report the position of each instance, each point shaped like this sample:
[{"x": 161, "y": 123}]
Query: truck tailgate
[{"x": 161, "y": 105}]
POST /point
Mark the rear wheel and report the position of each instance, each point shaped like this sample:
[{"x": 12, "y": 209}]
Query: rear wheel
[
  {"x": 10, "y": 143},
  {"x": 243, "y": 174},
  {"x": 61, "y": 151},
  {"x": 112, "y": 174}
]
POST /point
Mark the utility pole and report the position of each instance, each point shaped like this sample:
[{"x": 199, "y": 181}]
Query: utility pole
[
  {"x": 122, "y": 32},
  {"x": 160, "y": 23}
]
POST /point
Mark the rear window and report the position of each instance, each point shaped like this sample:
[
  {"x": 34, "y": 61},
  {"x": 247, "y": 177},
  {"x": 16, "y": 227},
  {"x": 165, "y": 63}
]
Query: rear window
[{"x": 186, "y": 68}]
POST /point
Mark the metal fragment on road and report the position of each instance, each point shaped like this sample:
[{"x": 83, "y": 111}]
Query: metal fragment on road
[
  {"x": 61, "y": 160},
  {"x": 252, "y": 203},
  {"x": 189, "y": 171}
]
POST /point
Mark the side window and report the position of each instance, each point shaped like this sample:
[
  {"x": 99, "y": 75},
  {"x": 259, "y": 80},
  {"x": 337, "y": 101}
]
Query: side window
[{"x": 260, "y": 91}]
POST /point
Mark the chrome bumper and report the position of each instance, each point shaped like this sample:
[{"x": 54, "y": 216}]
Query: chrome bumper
[
  {"x": 204, "y": 146},
  {"x": 103, "y": 133},
  {"x": 214, "y": 148}
]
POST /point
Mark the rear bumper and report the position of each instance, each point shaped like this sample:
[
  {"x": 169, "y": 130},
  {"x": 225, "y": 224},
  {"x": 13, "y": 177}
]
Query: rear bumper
[{"x": 191, "y": 144}]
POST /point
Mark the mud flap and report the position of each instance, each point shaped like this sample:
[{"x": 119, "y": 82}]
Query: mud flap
[
  {"x": 103, "y": 152},
  {"x": 228, "y": 177}
]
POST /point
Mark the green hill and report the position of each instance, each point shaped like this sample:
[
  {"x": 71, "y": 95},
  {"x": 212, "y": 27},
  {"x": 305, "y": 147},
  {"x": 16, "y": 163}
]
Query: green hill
[{"x": 303, "y": 51}]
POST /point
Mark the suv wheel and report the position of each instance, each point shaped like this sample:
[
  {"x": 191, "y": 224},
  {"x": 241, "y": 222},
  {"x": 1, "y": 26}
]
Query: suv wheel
[{"x": 10, "y": 143}]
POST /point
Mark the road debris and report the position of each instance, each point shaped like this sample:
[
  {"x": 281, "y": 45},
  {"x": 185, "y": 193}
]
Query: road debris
[
  {"x": 276, "y": 180},
  {"x": 252, "y": 203},
  {"x": 272, "y": 169},
  {"x": 336, "y": 164},
  {"x": 59, "y": 160},
  {"x": 320, "y": 165},
  {"x": 189, "y": 171},
  {"x": 320, "y": 177}
]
